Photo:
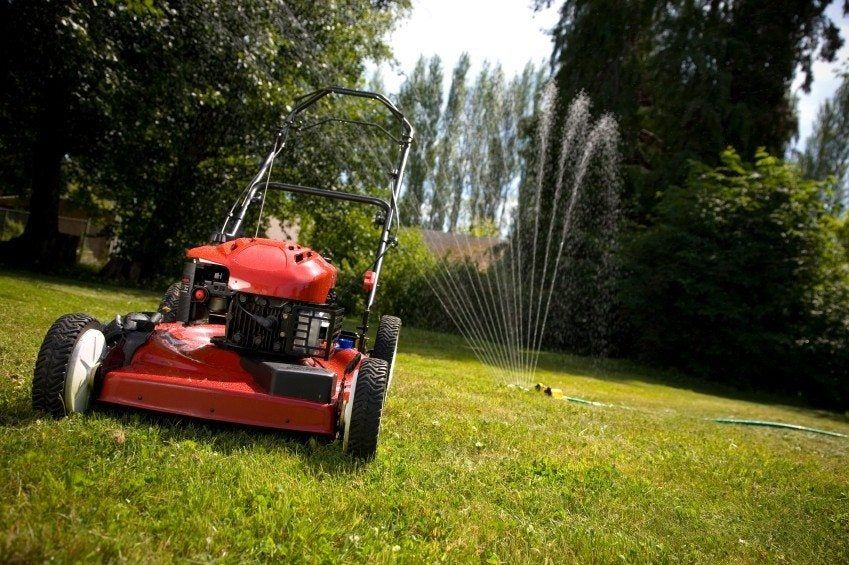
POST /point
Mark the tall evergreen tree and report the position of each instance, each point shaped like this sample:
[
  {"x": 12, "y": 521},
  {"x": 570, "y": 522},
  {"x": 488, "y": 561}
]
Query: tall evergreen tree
[
  {"x": 687, "y": 78},
  {"x": 517, "y": 112},
  {"x": 826, "y": 152},
  {"x": 421, "y": 98},
  {"x": 497, "y": 109},
  {"x": 484, "y": 144},
  {"x": 449, "y": 182},
  {"x": 468, "y": 157},
  {"x": 477, "y": 141}
]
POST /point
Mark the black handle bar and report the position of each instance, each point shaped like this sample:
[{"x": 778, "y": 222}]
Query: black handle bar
[
  {"x": 307, "y": 100},
  {"x": 335, "y": 194}
]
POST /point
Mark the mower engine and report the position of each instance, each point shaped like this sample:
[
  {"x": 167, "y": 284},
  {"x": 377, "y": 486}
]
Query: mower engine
[
  {"x": 282, "y": 327},
  {"x": 274, "y": 298}
]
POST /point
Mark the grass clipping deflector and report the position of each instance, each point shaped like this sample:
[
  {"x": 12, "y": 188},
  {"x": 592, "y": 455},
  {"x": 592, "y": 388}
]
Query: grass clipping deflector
[{"x": 252, "y": 333}]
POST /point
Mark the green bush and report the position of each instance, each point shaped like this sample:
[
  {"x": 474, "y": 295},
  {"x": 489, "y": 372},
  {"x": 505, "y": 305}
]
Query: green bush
[
  {"x": 11, "y": 228},
  {"x": 404, "y": 289},
  {"x": 405, "y": 284},
  {"x": 743, "y": 278},
  {"x": 843, "y": 234}
]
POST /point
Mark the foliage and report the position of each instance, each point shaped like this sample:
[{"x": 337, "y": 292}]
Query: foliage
[
  {"x": 486, "y": 227},
  {"x": 197, "y": 130},
  {"x": 687, "y": 78},
  {"x": 11, "y": 228},
  {"x": 60, "y": 70},
  {"x": 843, "y": 234},
  {"x": 447, "y": 196},
  {"x": 160, "y": 103},
  {"x": 743, "y": 279},
  {"x": 466, "y": 471},
  {"x": 826, "y": 151},
  {"x": 406, "y": 287}
]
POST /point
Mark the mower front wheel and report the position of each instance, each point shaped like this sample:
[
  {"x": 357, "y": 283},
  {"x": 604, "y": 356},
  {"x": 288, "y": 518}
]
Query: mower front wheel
[
  {"x": 67, "y": 362},
  {"x": 364, "y": 409}
]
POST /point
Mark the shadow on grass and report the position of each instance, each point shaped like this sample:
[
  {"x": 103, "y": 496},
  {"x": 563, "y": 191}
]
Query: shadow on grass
[
  {"x": 85, "y": 278},
  {"x": 319, "y": 453},
  {"x": 16, "y": 416},
  {"x": 618, "y": 370}
]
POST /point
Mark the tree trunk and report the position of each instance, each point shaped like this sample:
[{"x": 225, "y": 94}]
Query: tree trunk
[
  {"x": 41, "y": 243},
  {"x": 47, "y": 185},
  {"x": 164, "y": 233}
]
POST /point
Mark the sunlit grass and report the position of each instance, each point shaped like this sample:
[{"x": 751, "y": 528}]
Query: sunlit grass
[{"x": 467, "y": 469}]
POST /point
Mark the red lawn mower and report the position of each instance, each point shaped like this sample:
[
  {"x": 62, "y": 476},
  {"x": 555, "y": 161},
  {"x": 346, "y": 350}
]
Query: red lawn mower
[{"x": 252, "y": 334}]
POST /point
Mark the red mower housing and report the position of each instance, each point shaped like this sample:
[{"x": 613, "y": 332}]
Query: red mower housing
[{"x": 180, "y": 371}]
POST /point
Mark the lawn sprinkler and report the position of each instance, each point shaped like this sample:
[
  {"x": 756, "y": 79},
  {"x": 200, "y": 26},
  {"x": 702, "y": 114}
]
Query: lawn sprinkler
[{"x": 251, "y": 334}]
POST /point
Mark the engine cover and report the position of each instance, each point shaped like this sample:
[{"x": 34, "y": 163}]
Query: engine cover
[{"x": 279, "y": 269}]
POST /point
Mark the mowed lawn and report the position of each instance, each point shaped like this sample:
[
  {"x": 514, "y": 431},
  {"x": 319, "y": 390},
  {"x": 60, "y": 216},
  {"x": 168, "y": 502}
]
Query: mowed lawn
[{"x": 467, "y": 470}]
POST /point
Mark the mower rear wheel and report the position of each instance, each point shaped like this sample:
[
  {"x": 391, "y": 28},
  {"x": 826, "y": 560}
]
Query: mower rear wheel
[
  {"x": 386, "y": 343},
  {"x": 67, "y": 362},
  {"x": 364, "y": 408},
  {"x": 168, "y": 306}
]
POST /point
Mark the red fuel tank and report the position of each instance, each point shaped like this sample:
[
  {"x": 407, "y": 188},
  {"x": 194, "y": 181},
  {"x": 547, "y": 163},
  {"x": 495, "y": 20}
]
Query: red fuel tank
[{"x": 282, "y": 269}]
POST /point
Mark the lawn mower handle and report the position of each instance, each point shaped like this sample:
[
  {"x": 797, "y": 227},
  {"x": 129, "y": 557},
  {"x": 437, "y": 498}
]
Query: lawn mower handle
[
  {"x": 391, "y": 208},
  {"x": 307, "y": 100},
  {"x": 302, "y": 103},
  {"x": 323, "y": 192}
]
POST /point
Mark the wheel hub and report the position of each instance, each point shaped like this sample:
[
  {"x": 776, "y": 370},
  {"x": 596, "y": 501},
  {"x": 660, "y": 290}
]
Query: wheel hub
[{"x": 82, "y": 366}]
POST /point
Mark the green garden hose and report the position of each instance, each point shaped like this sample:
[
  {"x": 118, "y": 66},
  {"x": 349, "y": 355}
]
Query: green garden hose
[
  {"x": 777, "y": 425},
  {"x": 585, "y": 401}
]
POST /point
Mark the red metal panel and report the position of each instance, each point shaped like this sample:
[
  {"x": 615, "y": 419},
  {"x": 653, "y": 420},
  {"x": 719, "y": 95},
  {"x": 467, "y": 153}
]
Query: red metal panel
[
  {"x": 281, "y": 269},
  {"x": 209, "y": 400},
  {"x": 179, "y": 371}
]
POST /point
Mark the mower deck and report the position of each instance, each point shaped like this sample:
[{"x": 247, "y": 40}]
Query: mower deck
[{"x": 179, "y": 371}]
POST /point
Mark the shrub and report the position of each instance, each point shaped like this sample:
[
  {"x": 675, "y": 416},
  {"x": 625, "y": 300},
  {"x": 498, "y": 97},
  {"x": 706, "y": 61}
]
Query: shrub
[
  {"x": 406, "y": 290},
  {"x": 404, "y": 287},
  {"x": 743, "y": 278}
]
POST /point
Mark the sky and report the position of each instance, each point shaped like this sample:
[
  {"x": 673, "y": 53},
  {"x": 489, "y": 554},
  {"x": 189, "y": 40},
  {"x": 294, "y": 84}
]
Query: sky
[
  {"x": 504, "y": 31},
  {"x": 511, "y": 33},
  {"x": 825, "y": 79}
]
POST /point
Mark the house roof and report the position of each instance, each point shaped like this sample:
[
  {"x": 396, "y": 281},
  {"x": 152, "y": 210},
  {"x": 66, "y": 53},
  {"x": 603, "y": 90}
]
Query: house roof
[{"x": 459, "y": 245}]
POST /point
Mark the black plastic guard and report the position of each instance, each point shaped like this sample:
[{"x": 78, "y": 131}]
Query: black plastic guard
[{"x": 296, "y": 381}]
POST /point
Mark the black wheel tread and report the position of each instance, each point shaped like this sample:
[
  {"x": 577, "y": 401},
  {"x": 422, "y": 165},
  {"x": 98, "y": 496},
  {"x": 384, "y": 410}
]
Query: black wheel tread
[
  {"x": 48, "y": 381},
  {"x": 364, "y": 428},
  {"x": 170, "y": 302},
  {"x": 387, "y": 336}
]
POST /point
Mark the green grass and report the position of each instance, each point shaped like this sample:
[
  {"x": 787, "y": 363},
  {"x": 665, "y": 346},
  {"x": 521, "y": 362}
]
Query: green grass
[{"x": 467, "y": 470}]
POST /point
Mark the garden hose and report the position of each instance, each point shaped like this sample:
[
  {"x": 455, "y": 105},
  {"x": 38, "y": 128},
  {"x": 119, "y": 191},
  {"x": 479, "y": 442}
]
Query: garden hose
[
  {"x": 557, "y": 394},
  {"x": 777, "y": 425}
]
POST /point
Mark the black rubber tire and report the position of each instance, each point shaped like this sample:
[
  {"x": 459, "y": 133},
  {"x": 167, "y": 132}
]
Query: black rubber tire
[
  {"x": 170, "y": 302},
  {"x": 386, "y": 343},
  {"x": 48, "y": 379},
  {"x": 364, "y": 428}
]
